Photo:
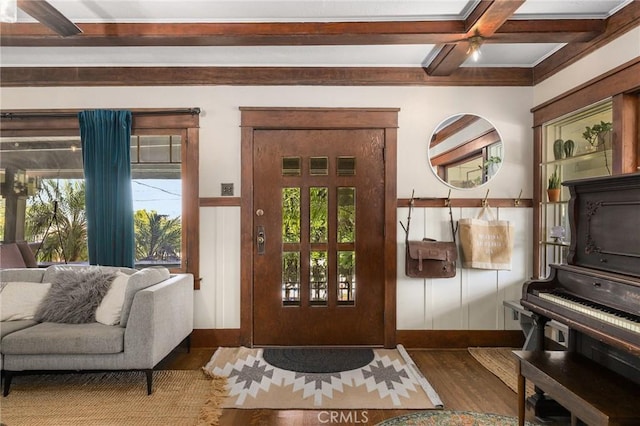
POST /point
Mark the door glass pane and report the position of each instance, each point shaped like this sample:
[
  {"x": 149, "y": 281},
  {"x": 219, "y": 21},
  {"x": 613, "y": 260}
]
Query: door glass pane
[
  {"x": 291, "y": 166},
  {"x": 346, "y": 215},
  {"x": 290, "y": 215},
  {"x": 319, "y": 166},
  {"x": 318, "y": 211},
  {"x": 318, "y": 278},
  {"x": 346, "y": 166},
  {"x": 291, "y": 278},
  {"x": 346, "y": 277}
]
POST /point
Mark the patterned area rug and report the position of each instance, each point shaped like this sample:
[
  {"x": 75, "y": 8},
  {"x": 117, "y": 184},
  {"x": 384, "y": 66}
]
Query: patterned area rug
[
  {"x": 390, "y": 381},
  {"x": 451, "y": 418}
]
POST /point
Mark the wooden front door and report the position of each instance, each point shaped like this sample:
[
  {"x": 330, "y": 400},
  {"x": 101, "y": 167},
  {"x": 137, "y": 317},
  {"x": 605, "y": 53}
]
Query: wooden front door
[{"x": 319, "y": 224}]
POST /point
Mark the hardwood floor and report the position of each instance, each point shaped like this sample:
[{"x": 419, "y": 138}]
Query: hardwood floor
[{"x": 461, "y": 382}]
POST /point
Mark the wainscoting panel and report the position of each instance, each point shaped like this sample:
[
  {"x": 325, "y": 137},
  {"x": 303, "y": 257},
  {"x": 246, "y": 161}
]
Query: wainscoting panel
[{"x": 472, "y": 300}]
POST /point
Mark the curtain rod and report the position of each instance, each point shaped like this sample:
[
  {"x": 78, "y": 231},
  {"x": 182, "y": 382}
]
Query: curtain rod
[{"x": 23, "y": 115}]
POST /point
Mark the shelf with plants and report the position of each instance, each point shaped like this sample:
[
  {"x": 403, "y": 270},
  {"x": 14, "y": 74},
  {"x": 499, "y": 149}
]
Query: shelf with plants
[{"x": 575, "y": 146}]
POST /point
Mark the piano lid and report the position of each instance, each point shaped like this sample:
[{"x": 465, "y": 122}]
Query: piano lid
[{"x": 605, "y": 223}]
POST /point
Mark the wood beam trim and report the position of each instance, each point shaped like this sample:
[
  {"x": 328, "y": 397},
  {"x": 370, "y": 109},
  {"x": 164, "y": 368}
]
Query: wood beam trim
[
  {"x": 483, "y": 21},
  {"x": 295, "y": 34},
  {"x": 467, "y": 149},
  {"x": 285, "y": 76},
  {"x": 616, "y": 25}
]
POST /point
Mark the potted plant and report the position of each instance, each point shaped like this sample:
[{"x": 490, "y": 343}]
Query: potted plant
[
  {"x": 553, "y": 189},
  {"x": 599, "y": 136}
]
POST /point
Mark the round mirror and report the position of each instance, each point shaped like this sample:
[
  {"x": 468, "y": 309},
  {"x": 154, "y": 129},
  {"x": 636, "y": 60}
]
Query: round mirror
[{"x": 465, "y": 151}]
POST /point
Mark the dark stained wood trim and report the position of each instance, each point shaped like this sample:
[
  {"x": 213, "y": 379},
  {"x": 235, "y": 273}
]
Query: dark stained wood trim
[
  {"x": 281, "y": 76},
  {"x": 390, "y": 226},
  {"x": 410, "y": 339},
  {"x": 294, "y": 33},
  {"x": 307, "y": 118},
  {"x": 484, "y": 21},
  {"x": 621, "y": 22},
  {"x": 215, "y": 337},
  {"x": 190, "y": 193},
  {"x": 246, "y": 237},
  {"x": 466, "y": 149},
  {"x": 433, "y": 339},
  {"x": 622, "y": 79},
  {"x": 220, "y": 201},
  {"x": 466, "y": 202},
  {"x": 317, "y": 118},
  {"x": 453, "y": 128},
  {"x": 626, "y": 128}
]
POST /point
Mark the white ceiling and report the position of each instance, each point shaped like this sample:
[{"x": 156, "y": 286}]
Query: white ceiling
[{"x": 187, "y": 11}]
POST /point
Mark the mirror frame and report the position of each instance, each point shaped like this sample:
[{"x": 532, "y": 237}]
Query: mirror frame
[{"x": 479, "y": 137}]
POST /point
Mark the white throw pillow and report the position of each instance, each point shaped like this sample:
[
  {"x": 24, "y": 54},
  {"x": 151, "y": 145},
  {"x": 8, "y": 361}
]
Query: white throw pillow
[
  {"x": 20, "y": 300},
  {"x": 110, "y": 308}
]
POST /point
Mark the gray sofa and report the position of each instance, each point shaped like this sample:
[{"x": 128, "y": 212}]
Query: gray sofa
[{"x": 156, "y": 316}]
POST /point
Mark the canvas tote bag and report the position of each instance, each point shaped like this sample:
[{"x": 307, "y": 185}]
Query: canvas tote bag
[{"x": 486, "y": 243}]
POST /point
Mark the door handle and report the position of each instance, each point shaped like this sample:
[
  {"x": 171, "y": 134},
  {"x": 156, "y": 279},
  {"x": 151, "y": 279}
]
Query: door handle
[{"x": 260, "y": 239}]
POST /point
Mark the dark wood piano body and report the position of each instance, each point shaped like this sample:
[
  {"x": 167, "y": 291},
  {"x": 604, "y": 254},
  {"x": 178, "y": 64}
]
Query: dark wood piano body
[{"x": 603, "y": 269}]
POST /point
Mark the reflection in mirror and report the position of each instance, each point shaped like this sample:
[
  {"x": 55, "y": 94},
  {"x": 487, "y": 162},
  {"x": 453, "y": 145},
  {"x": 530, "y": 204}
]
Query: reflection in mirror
[{"x": 465, "y": 151}]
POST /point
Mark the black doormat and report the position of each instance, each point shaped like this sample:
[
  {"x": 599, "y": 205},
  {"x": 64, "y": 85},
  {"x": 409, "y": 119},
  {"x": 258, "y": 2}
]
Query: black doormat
[{"x": 318, "y": 360}]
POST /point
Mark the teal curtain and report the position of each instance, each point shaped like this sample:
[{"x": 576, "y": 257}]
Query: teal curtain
[{"x": 106, "y": 142}]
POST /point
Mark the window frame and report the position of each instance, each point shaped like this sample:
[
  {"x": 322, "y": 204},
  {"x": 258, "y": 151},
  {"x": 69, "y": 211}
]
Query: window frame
[{"x": 56, "y": 122}]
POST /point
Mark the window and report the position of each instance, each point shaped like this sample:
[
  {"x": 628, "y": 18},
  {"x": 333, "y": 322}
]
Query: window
[{"x": 41, "y": 173}]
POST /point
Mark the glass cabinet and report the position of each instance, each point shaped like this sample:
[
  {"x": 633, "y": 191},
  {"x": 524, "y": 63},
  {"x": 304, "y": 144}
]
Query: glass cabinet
[{"x": 574, "y": 146}]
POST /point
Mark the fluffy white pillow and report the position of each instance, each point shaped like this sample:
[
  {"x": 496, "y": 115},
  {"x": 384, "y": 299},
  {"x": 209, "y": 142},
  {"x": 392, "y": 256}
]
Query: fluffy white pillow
[
  {"x": 20, "y": 300},
  {"x": 110, "y": 308}
]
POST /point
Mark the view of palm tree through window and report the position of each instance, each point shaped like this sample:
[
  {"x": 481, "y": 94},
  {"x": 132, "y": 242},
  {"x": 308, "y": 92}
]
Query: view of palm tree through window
[{"x": 43, "y": 198}]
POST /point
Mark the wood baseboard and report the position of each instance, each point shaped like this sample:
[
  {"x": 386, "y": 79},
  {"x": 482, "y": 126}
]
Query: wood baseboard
[
  {"x": 411, "y": 339},
  {"x": 444, "y": 339}
]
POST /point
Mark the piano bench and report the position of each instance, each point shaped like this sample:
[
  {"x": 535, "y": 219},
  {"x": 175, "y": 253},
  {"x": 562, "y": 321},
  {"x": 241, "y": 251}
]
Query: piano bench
[{"x": 592, "y": 393}]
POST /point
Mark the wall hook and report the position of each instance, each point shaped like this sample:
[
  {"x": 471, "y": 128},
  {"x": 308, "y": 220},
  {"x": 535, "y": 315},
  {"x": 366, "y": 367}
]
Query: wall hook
[
  {"x": 485, "y": 202},
  {"x": 516, "y": 202},
  {"x": 447, "y": 201}
]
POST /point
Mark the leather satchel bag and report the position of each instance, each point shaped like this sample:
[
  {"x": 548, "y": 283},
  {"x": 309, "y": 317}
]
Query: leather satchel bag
[{"x": 431, "y": 259}]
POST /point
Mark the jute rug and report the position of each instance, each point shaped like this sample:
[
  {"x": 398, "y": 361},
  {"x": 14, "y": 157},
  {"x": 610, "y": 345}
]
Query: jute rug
[
  {"x": 502, "y": 363},
  {"x": 180, "y": 397},
  {"x": 452, "y": 418},
  {"x": 390, "y": 381}
]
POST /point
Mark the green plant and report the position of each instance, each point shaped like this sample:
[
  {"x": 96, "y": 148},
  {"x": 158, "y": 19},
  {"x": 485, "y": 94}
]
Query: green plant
[
  {"x": 595, "y": 136},
  {"x": 554, "y": 180},
  {"x": 592, "y": 133}
]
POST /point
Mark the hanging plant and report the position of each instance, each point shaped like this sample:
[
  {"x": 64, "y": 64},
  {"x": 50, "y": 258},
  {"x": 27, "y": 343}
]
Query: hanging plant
[{"x": 595, "y": 135}]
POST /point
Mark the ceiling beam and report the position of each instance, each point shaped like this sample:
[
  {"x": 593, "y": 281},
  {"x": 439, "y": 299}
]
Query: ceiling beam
[
  {"x": 282, "y": 76},
  {"x": 484, "y": 21},
  {"x": 49, "y": 16},
  {"x": 296, "y": 34}
]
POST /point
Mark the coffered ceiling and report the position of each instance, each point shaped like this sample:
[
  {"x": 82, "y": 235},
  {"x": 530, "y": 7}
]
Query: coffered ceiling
[{"x": 369, "y": 42}]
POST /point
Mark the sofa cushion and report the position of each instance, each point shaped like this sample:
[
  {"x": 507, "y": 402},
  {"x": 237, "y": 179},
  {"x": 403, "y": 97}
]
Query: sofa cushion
[
  {"x": 20, "y": 300},
  {"x": 75, "y": 295},
  {"x": 139, "y": 281},
  {"x": 7, "y": 327},
  {"x": 53, "y": 270},
  {"x": 110, "y": 308},
  {"x": 56, "y": 338},
  {"x": 22, "y": 274}
]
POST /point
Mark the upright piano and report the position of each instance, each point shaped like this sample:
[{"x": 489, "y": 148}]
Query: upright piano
[{"x": 597, "y": 292}]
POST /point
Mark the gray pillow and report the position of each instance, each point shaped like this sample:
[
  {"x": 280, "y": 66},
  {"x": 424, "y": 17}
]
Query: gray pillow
[
  {"x": 75, "y": 295},
  {"x": 140, "y": 280}
]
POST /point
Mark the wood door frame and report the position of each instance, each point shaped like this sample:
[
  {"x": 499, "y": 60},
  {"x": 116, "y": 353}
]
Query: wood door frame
[{"x": 318, "y": 119}]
